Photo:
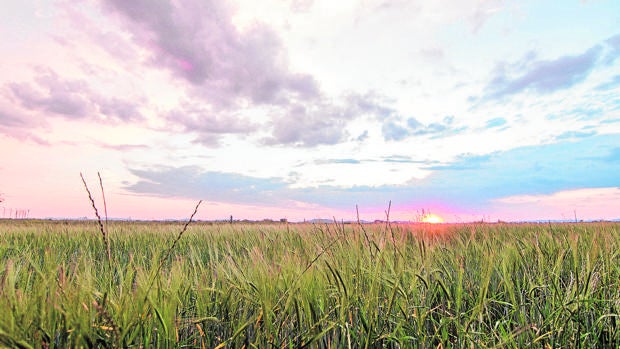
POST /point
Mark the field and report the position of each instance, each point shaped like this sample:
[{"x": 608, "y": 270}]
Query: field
[{"x": 303, "y": 285}]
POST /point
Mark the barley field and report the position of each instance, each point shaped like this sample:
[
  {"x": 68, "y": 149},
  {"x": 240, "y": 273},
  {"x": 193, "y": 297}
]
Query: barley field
[{"x": 218, "y": 285}]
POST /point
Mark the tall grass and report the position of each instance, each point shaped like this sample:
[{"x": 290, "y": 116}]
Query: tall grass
[{"x": 302, "y": 285}]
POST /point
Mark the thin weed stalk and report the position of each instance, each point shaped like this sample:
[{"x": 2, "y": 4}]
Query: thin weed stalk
[
  {"x": 102, "y": 229},
  {"x": 105, "y": 205},
  {"x": 169, "y": 251},
  {"x": 174, "y": 243}
]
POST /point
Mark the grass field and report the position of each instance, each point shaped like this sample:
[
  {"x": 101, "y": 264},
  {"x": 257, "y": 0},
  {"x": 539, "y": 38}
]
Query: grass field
[{"x": 303, "y": 285}]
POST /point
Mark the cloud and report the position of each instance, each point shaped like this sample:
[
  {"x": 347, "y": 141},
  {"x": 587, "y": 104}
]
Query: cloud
[
  {"x": 72, "y": 99},
  {"x": 396, "y": 129},
  {"x": 309, "y": 126},
  {"x": 464, "y": 162},
  {"x": 324, "y": 121},
  {"x": 570, "y": 204},
  {"x": 123, "y": 147},
  {"x": 482, "y": 12},
  {"x": 337, "y": 161},
  {"x": 53, "y": 95},
  {"x": 496, "y": 122},
  {"x": 208, "y": 124},
  {"x": 161, "y": 27},
  {"x": 613, "y": 44},
  {"x": 197, "y": 41},
  {"x": 392, "y": 131},
  {"x": 414, "y": 124},
  {"x": 471, "y": 183},
  {"x": 431, "y": 128},
  {"x": 362, "y": 137},
  {"x": 16, "y": 124},
  {"x": 369, "y": 104},
  {"x": 610, "y": 121},
  {"x": 117, "y": 108},
  {"x": 533, "y": 170},
  {"x": 542, "y": 76},
  {"x": 403, "y": 159},
  {"x": 574, "y": 135},
  {"x": 22, "y": 135},
  {"x": 227, "y": 70},
  {"x": 193, "y": 182},
  {"x": 531, "y": 74},
  {"x": 610, "y": 84},
  {"x": 562, "y": 197},
  {"x": 12, "y": 119}
]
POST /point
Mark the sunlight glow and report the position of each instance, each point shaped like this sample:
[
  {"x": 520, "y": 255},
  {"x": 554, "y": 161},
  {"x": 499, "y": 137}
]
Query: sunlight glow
[{"x": 432, "y": 218}]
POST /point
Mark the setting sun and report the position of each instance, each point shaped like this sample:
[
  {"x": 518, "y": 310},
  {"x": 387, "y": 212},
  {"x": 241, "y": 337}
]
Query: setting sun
[{"x": 432, "y": 218}]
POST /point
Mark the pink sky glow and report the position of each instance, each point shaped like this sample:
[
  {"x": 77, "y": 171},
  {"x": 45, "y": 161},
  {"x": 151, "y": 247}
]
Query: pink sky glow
[{"x": 472, "y": 110}]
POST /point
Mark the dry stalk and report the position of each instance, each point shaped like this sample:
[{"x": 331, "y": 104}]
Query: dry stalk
[
  {"x": 105, "y": 205},
  {"x": 104, "y": 234},
  {"x": 169, "y": 252},
  {"x": 174, "y": 243}
]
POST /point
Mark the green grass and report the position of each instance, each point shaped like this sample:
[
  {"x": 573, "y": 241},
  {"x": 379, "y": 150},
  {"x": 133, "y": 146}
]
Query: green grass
[{"x": 302, "y": 285}]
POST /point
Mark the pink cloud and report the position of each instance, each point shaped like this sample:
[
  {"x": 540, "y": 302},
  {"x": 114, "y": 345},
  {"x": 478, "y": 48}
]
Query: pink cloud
[
  {"x": 587, "y": 203},
  {"x": 185, "y": 65}
]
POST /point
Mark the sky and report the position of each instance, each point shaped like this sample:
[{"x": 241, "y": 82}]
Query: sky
[{"x": 301, "y": 109}]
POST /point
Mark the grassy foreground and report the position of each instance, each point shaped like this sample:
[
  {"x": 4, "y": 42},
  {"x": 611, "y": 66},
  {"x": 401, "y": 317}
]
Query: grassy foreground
[{"x": 302, "y": 285}]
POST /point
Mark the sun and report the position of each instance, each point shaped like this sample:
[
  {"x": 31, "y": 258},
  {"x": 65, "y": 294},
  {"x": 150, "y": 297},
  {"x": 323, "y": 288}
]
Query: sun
[{"x": 432, "y": 218}]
